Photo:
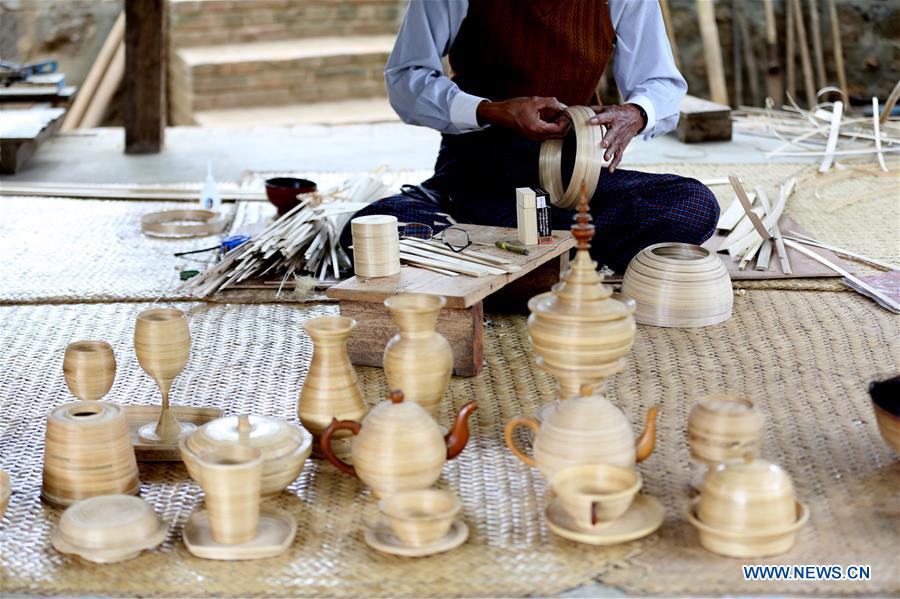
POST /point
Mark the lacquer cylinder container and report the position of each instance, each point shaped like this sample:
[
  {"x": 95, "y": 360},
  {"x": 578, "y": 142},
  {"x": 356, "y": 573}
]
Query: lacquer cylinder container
[{"x": 88, "y": 452}]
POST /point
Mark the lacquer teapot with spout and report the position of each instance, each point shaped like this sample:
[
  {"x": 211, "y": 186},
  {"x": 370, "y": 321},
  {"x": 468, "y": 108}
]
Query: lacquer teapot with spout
[
  {"x": 588, "y": 429},
  {"x": 398, "y": 446}
]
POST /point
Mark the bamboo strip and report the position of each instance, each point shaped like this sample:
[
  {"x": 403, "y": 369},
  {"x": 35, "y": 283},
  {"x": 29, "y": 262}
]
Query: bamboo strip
[
  {"x": 859, "y": 282},
  {"x": 467, "y": 252},
  {"x": 67, "y": 190},
  {"x": 875, "y": 123},
  {"x": 830, "y": 148},
  {"x": 765, "y": 254},
  {"x": 419, "y": 260},
  {"x": 733, "y": 214},
  {"x": 782, "y": 252},
  {"x": 890, "y": 103},
  {"x": 745, "y": 202},
  {"x": 474, "y": 266},
  {"x": 444, "y": 251},
  {"x": 440, "y": 271},
  {"x": 794, "y": 236},
  {"x": 86, "y": 92}
]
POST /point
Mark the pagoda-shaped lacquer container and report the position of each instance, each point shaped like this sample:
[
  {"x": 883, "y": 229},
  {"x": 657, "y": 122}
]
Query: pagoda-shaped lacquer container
[{"x": 579, "y": 332}]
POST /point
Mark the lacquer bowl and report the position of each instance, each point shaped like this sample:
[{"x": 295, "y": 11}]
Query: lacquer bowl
[
  {"x": 724, "y": 428},
  {"x": 284, "y": 446},
  {"x": 748, "y": 496},
  {"x": 754, "y": 543},
  {"x": 283, "y": 192},
  {"x": 678, "y": 285},
  {"x": 886, "y": 405}
]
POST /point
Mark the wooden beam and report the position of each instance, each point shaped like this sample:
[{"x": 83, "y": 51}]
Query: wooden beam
[
  {"x": 145, "y": 81},
  {"x": 667, "y": 21}
]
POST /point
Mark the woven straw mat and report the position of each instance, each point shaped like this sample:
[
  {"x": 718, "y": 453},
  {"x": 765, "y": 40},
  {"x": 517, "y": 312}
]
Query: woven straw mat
[
  {"x": 58, "y": 250},
  {"x": 804, "y": 357}
]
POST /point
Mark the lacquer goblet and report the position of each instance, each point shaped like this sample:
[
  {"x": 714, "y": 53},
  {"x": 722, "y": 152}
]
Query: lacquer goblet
[
  {"x": 90, "y": 369},
  {"x": 162, "y": 342}
]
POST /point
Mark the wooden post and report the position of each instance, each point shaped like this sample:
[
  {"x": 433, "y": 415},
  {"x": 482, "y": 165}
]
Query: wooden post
[
  {"x": 838, "y": 50},
  {"x": 816, "y": 34},
  {"x": 145, "y": 75},
  {"x": 712, "y": 51},
  {"x": 774, "y": 82},
  {"x": 805, "y": 60}
]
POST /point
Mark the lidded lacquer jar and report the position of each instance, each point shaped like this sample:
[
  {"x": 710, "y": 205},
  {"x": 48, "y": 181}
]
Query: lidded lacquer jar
[{"x": 579, "y": 332}]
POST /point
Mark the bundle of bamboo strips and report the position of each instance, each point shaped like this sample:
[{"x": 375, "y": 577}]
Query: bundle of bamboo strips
[
  {"x": 305, "y": 240},
  {"x": 437, "y": 257},
  {"x": 752, "y": 229}
]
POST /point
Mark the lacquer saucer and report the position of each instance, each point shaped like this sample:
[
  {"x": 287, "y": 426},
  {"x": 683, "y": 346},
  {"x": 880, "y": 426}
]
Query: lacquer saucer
[
  {"x": 380, "y": 537},
  {"x": 276, "y": 533},
  {"x": 643, "y": 518}
]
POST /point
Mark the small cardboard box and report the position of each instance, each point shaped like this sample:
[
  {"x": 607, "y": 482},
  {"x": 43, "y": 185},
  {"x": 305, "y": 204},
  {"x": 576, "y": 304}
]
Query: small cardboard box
[{"x": 533, "y": 216}]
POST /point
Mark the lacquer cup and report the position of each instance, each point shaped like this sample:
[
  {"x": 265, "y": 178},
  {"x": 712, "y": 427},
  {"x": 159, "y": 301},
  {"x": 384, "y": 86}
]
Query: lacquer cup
[
  {"x": 420, "y": 518},
  {"x": 724, "y": 428},
  {"x": 89, "y": 368},
  {"x": 594, "y": 495},
  {"x": 231, "y": 478},
  {"x": 162, "y": 342}
]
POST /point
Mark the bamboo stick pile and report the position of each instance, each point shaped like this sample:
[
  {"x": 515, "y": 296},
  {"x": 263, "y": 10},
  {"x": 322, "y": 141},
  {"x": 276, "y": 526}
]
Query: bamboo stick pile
[{"x": 303, "y": 241}]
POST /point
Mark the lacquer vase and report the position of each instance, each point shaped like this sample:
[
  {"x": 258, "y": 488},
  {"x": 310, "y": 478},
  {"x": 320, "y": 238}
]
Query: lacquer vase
[
  {"x": 418, "y": 360},
  {"x": 331, "y": 389}
]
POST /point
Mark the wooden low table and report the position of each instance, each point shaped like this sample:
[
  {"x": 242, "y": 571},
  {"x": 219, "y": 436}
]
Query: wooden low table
[{"x": 461, "y": 321}]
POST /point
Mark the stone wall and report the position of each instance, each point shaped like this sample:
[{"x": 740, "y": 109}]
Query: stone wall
[
  {"x": 70, "y": 31},
  {"x": 870, "y": 35}
]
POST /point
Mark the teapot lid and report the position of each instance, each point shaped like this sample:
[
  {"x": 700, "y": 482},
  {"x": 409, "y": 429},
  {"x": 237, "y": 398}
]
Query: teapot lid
[
  {"x": 748, "y": 477},
  {"x": 396, "y": 414},
  {"x": 584, "y": 412},
  {"x": 274, "y": 437}
]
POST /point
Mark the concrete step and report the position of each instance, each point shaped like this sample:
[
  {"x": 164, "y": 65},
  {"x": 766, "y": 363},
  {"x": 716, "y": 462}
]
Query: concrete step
[
  {"x": 342, "y": 112},
  {"x": 205, "y": 22},
  {"x": 278, "y": 73}
]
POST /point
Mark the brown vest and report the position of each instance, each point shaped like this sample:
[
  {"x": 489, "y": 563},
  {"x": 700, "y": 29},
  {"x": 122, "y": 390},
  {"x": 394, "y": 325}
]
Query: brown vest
[{"x": 510, "y": 48}]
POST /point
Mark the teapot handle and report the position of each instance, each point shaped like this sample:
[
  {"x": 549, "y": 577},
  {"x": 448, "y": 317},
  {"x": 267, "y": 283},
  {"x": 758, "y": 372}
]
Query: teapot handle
[
  {"x": 511, "y": 427},
  {"x": 336, "y": 425}
]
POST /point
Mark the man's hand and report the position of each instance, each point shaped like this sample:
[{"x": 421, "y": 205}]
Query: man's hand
[
  {"x": 534, "y": 117},
  {"x": 622, "y": 124}
]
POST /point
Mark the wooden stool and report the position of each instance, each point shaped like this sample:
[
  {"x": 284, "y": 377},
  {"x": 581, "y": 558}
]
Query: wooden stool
[{"x": 462, "y": 320}]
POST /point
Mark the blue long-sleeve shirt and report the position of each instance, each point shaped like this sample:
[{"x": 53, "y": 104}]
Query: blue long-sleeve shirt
[{"x": 422, "y": 94}]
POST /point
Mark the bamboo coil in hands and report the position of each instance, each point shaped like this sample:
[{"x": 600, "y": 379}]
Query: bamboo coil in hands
[{"x": 589, "y": 160}]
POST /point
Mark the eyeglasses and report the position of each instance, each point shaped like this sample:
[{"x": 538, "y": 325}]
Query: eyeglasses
[{"x": 453, "y": 237}]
